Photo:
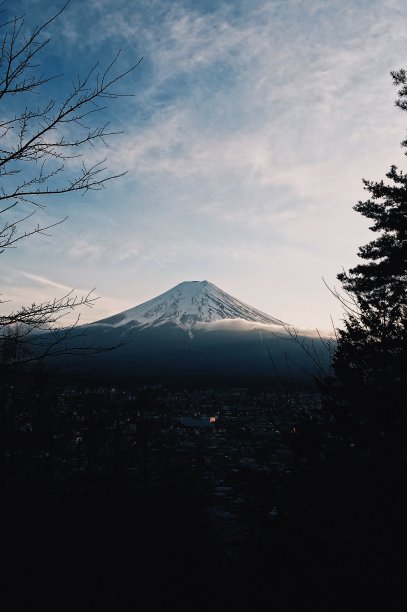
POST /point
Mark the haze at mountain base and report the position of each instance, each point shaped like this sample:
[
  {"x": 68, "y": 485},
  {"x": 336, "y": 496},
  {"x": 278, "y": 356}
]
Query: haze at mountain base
[{"x": 197, "y": 335}]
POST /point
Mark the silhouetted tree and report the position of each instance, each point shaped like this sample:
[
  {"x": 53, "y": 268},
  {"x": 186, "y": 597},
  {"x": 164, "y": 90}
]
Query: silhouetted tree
[
  {"x": 345, "y": 499},
  {"x": 370, "y": 360},
  {"x": 38, "y": 134}
]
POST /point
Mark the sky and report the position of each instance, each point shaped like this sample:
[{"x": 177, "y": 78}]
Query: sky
[{"x": 248, "y": 131}]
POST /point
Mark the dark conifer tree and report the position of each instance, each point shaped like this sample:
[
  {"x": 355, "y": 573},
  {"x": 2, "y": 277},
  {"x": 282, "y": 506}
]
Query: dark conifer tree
[
  {"x": 370, "y": 361},
  {"x": 347, "y": 492}
]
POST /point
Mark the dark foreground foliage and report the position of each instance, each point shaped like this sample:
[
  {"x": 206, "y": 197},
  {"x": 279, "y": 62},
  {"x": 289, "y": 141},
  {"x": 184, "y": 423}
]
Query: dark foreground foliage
[{"x": 110, "y": 505}]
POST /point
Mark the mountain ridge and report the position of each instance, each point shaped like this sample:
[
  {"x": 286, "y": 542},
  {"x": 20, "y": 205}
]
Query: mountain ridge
[
  {"x": 178, "y": 339},
  {"x": 187, "y": 304}
]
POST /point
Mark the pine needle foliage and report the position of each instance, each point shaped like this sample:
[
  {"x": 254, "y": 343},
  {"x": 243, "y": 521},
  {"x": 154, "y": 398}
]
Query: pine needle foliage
[{"x": 371, "y": 359}]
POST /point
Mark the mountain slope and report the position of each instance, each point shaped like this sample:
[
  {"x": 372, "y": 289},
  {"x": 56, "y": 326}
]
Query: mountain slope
[
  {"x": 189, "y": 303},
  {"x": 174, "y": 339}
]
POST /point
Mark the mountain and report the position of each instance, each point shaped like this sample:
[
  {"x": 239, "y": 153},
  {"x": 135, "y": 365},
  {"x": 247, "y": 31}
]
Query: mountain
[
  {"x": 195, "y": 334},
  {"x": 185, "y": 305}
]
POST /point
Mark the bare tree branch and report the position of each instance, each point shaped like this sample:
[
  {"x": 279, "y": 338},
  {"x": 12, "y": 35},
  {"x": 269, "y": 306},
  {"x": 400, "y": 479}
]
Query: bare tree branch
[{"x": 36, "y": 142}]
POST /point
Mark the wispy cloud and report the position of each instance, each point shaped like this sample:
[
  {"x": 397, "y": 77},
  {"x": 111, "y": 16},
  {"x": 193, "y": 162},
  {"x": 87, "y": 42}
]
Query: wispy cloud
[
  {"x": 84, "y": 248},
  {"x": 42, "y": 280},
  {"x": 250, "y": 129},
  {"x": 286, "y": 332}
]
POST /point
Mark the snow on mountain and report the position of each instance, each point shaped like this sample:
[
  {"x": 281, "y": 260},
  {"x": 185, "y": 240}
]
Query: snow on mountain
[{"x": 189, "y": 303}]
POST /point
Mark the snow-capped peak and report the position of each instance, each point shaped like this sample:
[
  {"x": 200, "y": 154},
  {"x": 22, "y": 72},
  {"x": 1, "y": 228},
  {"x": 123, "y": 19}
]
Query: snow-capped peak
[{"x": 189, "y": 303}]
